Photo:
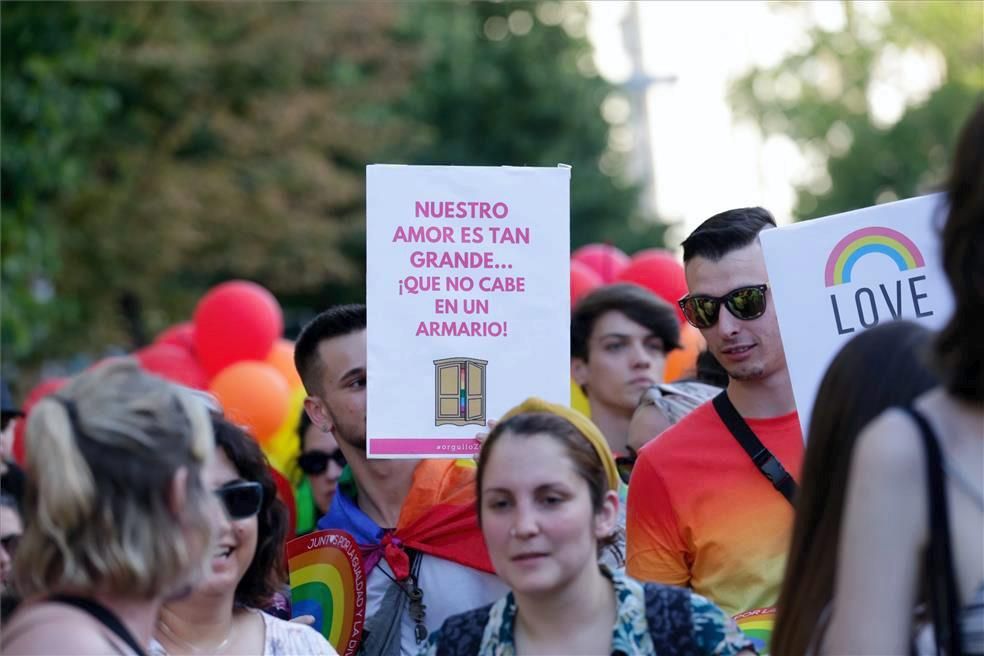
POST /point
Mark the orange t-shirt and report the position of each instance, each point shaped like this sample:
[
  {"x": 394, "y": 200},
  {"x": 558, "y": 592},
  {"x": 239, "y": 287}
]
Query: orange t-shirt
[{"x": 701, "y": 514}]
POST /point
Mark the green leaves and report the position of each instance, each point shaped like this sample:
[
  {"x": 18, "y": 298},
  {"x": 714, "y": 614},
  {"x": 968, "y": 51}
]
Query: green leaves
[{"x": 837, "y": 99}]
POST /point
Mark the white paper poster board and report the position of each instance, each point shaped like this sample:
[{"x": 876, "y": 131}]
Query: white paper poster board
[
  {"x": 833, "y": 277},
  {"x": 468, "y": 295}
]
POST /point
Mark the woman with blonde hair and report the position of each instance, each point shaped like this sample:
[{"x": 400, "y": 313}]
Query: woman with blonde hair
[{"x": 119, "y": 516}]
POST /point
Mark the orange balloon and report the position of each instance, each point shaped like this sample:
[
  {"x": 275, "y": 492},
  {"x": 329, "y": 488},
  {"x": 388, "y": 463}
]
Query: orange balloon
[
  {"x": 253, "y": 394},
  {"x": 281, "y": 357},
  {"x": 682, "y": 362}
]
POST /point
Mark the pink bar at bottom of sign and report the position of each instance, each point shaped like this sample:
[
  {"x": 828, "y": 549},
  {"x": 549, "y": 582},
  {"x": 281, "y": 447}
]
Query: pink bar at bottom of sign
[{"x": 423, "y": 446}]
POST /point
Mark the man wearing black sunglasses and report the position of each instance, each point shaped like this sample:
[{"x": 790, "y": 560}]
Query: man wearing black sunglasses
[
  {"x": 410, "y": 591},
  {"x": 706, "y": 506}
]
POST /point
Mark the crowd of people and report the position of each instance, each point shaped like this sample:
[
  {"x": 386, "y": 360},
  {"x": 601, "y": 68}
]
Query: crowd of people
[{"x": 145, "y": 522}]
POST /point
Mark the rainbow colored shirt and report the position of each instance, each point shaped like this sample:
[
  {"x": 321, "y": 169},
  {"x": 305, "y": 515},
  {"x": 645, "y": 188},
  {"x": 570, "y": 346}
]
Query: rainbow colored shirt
[{"x": 700, "y": 514}]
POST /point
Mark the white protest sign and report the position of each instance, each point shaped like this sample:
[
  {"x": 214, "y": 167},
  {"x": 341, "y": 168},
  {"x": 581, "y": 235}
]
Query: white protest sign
[
  {"x": 833, "y": 277},
  {"x": 468, "y": 296}
]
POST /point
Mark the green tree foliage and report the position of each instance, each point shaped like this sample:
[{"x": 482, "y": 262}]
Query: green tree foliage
[
  {"x": 153, "y": 149},
  {"x": 514, "y": 83},
  {"x": 820, "y": 98}
]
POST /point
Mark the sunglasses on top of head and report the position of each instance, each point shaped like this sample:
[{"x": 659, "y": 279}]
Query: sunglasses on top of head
[
  {"x": 745, "y": 303},
  {"x": 241, "y": 500},
  {"x": 316, "y": 462}
]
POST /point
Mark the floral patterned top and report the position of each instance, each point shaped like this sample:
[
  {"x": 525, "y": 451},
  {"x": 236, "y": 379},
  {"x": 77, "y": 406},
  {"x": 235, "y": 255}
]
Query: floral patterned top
[{"x": 650, "y": 619}]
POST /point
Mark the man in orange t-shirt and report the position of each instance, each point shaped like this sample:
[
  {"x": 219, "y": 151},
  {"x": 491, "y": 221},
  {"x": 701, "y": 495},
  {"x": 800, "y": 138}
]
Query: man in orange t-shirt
[{"x": 700, "y": 512}]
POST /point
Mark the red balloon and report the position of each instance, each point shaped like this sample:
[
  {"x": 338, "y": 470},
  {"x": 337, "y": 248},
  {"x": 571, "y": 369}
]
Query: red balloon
[
  {"x": 42, "y": 390},
  {"x": 604, "y": 259},
  {"x": 235, "y": 321},
  {"x": 174, "y": 363},
  {"x": 583, "y": 281},
  {"x": 661, "y": 273},
  {"x": 180, "y": 334}
]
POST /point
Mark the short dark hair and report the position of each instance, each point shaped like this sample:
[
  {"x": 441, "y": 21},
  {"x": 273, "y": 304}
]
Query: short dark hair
[
  {"x": 635, "y": 302},
  {"x": 334, "y": 322},
  {"x": 265, "y": 574},
  {"x": 959, "y": 349},
  {"x": 726, "y": 232}
]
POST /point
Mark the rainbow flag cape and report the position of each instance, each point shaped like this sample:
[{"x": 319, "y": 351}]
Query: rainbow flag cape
[
  {"x": 438, "y": 518},
  {"x": 327, "y": 580}
]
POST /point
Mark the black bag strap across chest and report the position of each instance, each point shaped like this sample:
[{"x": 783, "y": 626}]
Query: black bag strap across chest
[{"x": 763, "y": 459}]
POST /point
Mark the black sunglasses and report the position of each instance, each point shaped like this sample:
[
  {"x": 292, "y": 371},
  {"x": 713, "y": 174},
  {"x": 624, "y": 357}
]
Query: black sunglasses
[
  {"x": 241, "y": 500},
  {"x": 9, "y": 543},
  {"x": 316, "y": 462},
  {"x": 745, "y": 303},
  {"x": 624, "y": 464}
]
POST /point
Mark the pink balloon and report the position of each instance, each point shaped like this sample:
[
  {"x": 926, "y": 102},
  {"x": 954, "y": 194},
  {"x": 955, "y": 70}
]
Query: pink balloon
[
  {"x": 174, "y": 363},
  {"x": 235, "y": 321},
  {"x": 583, "y": 281},
  {"x": 604, "y": 259},
  {"x": 180, "y": 334},
  {"x": 660, "y": 272}
]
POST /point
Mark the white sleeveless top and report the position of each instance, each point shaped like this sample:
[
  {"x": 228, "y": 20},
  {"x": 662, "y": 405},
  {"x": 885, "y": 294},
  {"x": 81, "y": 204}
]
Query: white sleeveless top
[{"x": 282, "y": 638}]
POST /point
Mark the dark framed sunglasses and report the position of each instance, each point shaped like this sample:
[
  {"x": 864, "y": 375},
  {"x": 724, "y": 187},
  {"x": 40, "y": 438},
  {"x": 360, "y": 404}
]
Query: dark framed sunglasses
[
  {"x": 9, "y": 543},
  {"x": 316, "y": 462},
  {"x": 745, "y": 303},
  {"x": 241, "y": 500},
  {"x": 624, "y": 464}
]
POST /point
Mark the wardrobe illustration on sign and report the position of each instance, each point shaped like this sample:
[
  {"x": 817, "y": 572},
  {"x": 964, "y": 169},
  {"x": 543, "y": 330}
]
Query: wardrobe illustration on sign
[{"x": 459, "y": 391}]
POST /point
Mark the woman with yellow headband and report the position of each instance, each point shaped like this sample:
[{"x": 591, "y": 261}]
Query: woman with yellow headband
[{"x": 548, "y": 506}]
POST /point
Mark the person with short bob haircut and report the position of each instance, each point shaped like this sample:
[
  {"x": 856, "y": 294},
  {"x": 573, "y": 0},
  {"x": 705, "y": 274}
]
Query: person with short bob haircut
[
  {"x": 221, "y": 614},
  {"x": 915, "y": 497},
  {"x": 119, "y": 518},
  {"x": 879, "y": 368}
]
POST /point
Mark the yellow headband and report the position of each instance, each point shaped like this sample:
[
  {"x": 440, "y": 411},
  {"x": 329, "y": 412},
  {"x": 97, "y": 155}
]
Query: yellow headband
[{"x": 584, "y": 425}]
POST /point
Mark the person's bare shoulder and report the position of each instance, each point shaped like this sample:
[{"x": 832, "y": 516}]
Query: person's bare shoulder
[
  {"x": 890, "y": 449},
  {"x": 50, "y": 629}
]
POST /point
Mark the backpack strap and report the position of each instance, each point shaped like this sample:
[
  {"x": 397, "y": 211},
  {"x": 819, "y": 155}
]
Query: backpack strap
[
  {"x": 665, "y": 606},
  {"x": 461, "y": 635},
  {"x": 944, "y": 600},
  {"x": 763, "y": 459}
]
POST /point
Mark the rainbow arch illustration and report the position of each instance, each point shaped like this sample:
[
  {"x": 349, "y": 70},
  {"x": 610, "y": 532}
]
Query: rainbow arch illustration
[
  {"x": 327, "y": 581},
  {"x": 757, "y": 626},
  {"x": 865, "y": 241}
]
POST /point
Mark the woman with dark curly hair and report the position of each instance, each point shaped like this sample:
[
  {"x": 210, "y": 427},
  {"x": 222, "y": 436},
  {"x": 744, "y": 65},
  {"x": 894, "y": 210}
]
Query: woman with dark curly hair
[{"x": 220, "y": 616}]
